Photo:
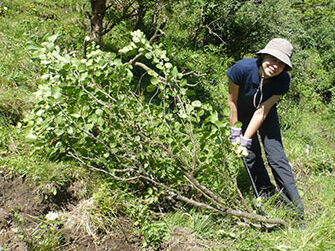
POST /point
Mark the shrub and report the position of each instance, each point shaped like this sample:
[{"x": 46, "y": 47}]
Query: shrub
[{"x": 151, "y": 135}]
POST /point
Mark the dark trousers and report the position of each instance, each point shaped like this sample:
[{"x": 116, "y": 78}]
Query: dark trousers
[{"x": 272, "y": 142}]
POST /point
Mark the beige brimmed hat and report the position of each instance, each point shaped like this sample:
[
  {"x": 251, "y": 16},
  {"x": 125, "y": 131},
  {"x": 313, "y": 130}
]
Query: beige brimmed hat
[{"x": 279, "y": 48}]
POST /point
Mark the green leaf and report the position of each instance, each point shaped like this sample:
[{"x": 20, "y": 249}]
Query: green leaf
[
  {"x": 150, "y": 191},
  {"x": 226, "y": 111},
  {"x": 75, "y": 115},
  {"x": 57, "y": 92},
  {"x": 183, "y": 82},
  {"x": 238, "y": 124},
  {"x": 136, "y": 39},
  {"x": 54, "y": 191},
  {"x": 196, "y": 103},
  {"x": 152, "y": 73},
  {"x": 40, "y": 112},
  {"x": 154, "y": 81},
  {"x": 168, "y": 65},
  {"x": 70, "y": 130},
  {"x": 99, "y": 112},
  {"x": 59, "y": 131},
  {"x": 148, "y": 55},
  {"x": 53, "y": 38},
  {"x": 213, "y": 118},
  {"x": 182, "y": 114},
  {"x": 32, "y": 46},
  {"x": 189, "y": 108},
  {"x": 151, "y": 88}
]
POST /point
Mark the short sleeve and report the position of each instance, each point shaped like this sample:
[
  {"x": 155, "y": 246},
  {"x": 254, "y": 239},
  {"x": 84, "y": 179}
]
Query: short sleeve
[
  {"x": 235, "y": 73},
  {"x": 282, "y": 84}
]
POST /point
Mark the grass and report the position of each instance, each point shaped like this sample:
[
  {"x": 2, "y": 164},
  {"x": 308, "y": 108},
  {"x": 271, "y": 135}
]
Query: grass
[
  {"x": 310, "y": 141},
  {"x": 320, "y": 212},
  {"x": 318, "y": 235},
  {"x": 24, "y": 23}
]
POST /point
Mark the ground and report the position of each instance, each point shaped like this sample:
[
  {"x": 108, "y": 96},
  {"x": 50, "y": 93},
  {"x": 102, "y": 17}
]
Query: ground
[
  {"x": 21, "y": 208},
  {"x": 22, "y": 215}
]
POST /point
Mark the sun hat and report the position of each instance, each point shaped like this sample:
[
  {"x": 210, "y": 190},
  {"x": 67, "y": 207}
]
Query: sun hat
[{"x": 281, "y": 49}]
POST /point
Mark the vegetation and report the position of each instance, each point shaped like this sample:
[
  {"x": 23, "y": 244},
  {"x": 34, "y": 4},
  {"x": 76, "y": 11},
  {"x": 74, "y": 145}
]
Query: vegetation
[{"x": 132, "y": 120}]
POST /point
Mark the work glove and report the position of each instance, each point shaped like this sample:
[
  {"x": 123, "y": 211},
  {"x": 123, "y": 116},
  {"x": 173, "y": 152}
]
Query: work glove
[
  {"x": 245, "y": 144},
  {"x": 235, "y": 134}
]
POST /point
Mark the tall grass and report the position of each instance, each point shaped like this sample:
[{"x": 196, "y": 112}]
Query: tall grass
[{"x": 25, "y": 23}]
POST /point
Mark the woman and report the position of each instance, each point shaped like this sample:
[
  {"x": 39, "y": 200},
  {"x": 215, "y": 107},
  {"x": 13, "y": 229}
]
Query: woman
[{"x": 255, "y": 86}]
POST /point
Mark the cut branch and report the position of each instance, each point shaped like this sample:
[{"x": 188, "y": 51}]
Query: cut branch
[{"x": 232, "y": 212}]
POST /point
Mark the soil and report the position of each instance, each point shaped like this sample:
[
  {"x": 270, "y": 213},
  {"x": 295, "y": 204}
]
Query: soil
[{"x": 21, "y": 211}]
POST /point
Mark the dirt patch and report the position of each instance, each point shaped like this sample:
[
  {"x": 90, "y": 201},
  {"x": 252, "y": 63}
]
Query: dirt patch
[
  {"x": 17, "y": 196},
  {"x": 22, "y": 217},
  {"x": 84, "y": 232},
  {"x": 16, "y": 199},
  {"x": 23, "y": 224}
]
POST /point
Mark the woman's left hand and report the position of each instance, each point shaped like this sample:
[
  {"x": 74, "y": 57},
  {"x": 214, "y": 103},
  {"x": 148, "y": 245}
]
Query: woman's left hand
[{"x": 242, "y": 150}]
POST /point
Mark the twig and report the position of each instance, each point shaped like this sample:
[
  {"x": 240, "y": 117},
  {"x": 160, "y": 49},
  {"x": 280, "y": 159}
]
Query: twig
[
  {"x": 146, "y": 68},
  {"x": 134, "y": 59},
  {"x": 195, "y": 74},
  {"x": 159, "y": 32},
  {"x": 210, "y": 31},
  {"x": 241, "y": 197},
  {"x": 101, "y": 170},
  {"x": 214, "y": 198},
  {"x": 124, "y": 16}
]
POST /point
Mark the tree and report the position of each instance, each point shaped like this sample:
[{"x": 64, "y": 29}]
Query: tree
[
  {"x": 105, "y": 15},
  {"x": 97, "y": 17}
]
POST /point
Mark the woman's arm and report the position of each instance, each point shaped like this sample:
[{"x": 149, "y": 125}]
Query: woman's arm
[
  {"x": 233, "y": 91},
  {"x": 259, "y": 116}
]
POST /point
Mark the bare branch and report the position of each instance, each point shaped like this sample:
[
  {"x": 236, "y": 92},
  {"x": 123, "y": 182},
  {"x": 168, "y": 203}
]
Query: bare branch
[
  {"x": 108, "y": 29},
  {"x": 133, "y": 60},
  {"x": 241, "y": 197},
  {"x": 75, "y": 156},
  {"x": 232, "y": 212},
  {"x": 210, "y": 31},
  {"x": 194, "y": 73},
  {"x": 146, "y": 68}
]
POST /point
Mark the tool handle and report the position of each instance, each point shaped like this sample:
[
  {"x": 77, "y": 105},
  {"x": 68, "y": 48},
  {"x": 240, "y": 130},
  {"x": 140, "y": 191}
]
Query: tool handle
[
  {"x": 250, "y": 177},
  {"x": 258, "y": 197}
]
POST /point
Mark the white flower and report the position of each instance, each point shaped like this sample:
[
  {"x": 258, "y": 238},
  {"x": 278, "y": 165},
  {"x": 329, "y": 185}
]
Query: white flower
[
  {"x": 5, "y": 8},
  {"x": 51, "y": 216}
]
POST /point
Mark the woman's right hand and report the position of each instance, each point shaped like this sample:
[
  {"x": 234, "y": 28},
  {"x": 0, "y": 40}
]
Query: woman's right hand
[{"x": 235, "y": 134}]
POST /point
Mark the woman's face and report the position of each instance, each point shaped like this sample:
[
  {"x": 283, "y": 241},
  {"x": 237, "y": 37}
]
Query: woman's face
[{"x": 272, "y": 66}]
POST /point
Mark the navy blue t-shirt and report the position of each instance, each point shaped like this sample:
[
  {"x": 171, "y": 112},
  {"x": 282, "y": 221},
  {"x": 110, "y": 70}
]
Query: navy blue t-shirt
[{"x": 245, "y": 73}]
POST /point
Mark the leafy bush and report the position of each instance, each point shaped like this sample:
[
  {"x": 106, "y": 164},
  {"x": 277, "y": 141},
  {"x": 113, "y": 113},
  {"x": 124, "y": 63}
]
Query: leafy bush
[{"x": 151, "y": 135}]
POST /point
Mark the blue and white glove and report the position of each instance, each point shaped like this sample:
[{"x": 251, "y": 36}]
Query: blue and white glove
[
  {"x": 235, "y": 134},
  {"x": 244, "y": 146}
]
